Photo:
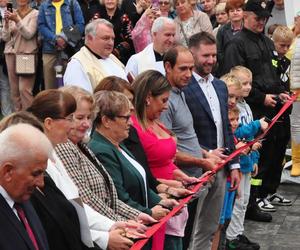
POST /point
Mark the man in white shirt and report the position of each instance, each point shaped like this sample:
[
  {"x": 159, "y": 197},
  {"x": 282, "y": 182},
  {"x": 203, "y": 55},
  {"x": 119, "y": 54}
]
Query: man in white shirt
[
  {"x": 207, "y": 99},
  {"x": 95, "y": 60},
  {"x": 163, "y": 34}
]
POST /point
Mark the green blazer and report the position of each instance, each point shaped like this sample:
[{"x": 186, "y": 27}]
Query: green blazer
[{"x": 128, "y": 181}]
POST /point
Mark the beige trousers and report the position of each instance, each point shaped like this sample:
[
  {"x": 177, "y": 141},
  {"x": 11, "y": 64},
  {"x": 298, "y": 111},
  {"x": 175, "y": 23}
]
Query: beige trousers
[
  {"x": 20, "y": 86},
  {"x": 49, "y": 72}
]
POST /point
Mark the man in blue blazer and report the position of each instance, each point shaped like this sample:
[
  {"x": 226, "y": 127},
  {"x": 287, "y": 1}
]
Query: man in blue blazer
[
  {"x": 207, "y": 99},
  {"x": 22, "y": 165}
]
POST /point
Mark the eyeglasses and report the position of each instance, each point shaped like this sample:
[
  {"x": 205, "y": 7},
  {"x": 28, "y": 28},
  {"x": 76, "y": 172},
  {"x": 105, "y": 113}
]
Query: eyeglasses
[
  {"x": 163, "y": 3},
  {"x": 125, "y": 117},
  {"x": 68, "y": 118}
]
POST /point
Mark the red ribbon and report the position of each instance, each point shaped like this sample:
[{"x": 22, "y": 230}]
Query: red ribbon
[{"x": 151, "y": 231}]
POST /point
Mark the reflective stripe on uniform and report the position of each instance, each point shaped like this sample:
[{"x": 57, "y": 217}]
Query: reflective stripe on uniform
[{"x": 256, "y": 182}]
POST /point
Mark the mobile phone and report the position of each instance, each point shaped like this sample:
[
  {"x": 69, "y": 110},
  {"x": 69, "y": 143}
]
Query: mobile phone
[
  {"x": 191, "y": 184},
  {"x": 136, "y": 239},
  {"x": 268, "y": 120},
  {"x": 185, "y": 196},
  {"x": 130, "y": 77},
  {"x": 155, "y": 5},
  {"x": 181, "y": 197},
  {"x": 226, "y": 151},
  {"x": 9, "y": 7},
  {"x": 155, "y": 8},
  {"x": 165, "y": 207}
]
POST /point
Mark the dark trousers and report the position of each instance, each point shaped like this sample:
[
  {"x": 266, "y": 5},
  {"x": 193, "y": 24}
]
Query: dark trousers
[
  {"x": 271, "y": 158},
  {"x": 39, "y": 79},
  {"x": 192, "y": 207},
  {"x": 173, "y": 242}
]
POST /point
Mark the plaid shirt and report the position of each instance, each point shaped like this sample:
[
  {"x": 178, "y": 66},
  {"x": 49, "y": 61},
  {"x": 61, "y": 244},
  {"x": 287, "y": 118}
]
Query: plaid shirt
[{"x": 96, "y": 188}]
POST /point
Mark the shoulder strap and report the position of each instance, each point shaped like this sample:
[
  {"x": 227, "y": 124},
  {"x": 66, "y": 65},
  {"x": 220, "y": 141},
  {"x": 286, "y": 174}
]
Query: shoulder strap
[
  {"x": 86, "y": 151},
  {"x": 184, "y": 35}
]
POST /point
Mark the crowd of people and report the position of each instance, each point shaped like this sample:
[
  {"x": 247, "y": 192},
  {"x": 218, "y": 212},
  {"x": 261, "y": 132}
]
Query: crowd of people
[{"x": 113, "y": 110}]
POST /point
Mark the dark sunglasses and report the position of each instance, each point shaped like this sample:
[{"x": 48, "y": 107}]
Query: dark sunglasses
[{"x": 163, "y": 3}]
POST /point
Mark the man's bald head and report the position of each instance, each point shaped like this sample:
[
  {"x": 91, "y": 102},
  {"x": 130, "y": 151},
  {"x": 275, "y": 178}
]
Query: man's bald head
[{"x": 24, "y": 153}]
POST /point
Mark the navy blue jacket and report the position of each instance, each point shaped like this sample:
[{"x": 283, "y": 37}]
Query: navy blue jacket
[
  {"x": 204, "y": 125},
  {"x": 13, "y": 233}
]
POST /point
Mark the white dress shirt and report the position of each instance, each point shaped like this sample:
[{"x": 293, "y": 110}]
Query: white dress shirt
[
  {"x": 9, "y": 200},
  {"x": 140, "y": 169},
  {"x": 214, "y": 104}
]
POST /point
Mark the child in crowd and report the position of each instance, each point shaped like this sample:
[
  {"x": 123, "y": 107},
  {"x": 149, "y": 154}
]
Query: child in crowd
[
  {"x": 234, "y": 87},
  {"x": 271, "y": 29},
  {"x": 283, "y": 38},
  {"x": 248, "y": 162},
  {"x": 244, "y": 128}
]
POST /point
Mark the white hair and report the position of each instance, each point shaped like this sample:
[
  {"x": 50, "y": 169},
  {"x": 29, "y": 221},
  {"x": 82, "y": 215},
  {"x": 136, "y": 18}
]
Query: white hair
[
  {"x": 22, "y": 142},
  {"x": 159, "y": 24},
  {"x": 91, "y": 28}
]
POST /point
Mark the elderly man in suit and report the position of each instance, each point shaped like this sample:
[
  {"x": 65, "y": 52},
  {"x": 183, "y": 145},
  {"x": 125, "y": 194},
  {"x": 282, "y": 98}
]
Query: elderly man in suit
[
  {"x": 22, "y": 165},
  {"x": 207, "y": 99}
]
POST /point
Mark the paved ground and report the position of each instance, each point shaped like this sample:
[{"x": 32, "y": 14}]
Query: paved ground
[{"x": 284, "y": 231}]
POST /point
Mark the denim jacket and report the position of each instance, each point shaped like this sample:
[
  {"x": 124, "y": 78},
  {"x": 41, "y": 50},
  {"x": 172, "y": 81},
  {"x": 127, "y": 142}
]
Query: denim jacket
[{"x": 46, "y": 22}]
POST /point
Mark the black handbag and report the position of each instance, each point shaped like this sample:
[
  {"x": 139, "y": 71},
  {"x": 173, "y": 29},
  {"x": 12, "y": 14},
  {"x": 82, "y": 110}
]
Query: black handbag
[{"x": 73, "y": 34}]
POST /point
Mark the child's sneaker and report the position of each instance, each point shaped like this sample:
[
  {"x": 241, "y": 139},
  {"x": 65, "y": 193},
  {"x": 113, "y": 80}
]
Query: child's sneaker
[
  {"x": 245, "y": 240},
  {"x": 279, "y": 200},
  {"x": 265, "y": 205},
  {"x": 237, "y": 244}
]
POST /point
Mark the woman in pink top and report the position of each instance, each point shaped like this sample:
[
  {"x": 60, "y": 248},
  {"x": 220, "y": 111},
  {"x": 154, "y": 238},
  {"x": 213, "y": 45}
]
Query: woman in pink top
[{"x": 152, "y": 91}]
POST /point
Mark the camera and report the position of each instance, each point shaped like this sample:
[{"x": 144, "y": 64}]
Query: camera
[{"x": 9, "y": 7}]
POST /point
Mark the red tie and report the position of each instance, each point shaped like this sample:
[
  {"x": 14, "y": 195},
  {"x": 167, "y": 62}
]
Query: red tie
[{"x": 24, "y": 220}]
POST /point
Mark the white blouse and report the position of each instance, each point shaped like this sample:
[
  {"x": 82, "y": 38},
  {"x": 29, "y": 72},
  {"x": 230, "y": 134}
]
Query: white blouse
[{"x": 140, "y": 169}]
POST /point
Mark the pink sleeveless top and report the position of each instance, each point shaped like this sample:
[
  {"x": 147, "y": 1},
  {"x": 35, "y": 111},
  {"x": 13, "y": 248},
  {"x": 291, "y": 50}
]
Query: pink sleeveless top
[
  {"x": 160, "y": 155},
  {"x": 160, "y": 152}
]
